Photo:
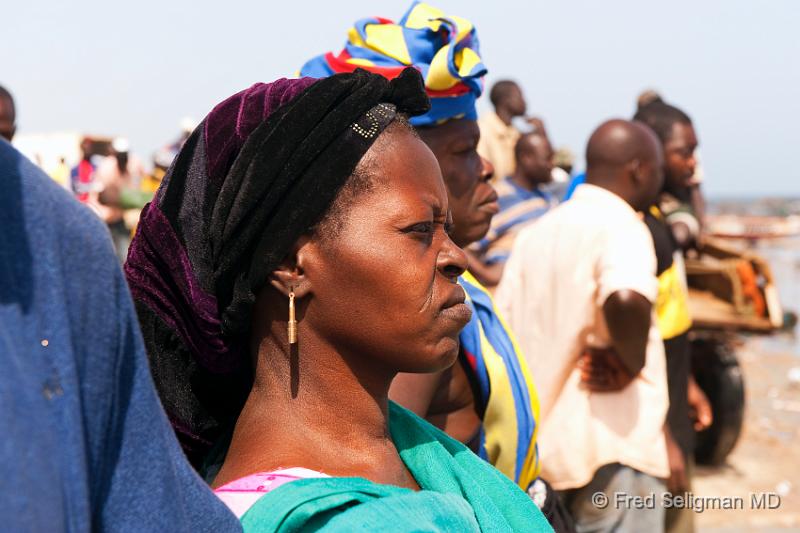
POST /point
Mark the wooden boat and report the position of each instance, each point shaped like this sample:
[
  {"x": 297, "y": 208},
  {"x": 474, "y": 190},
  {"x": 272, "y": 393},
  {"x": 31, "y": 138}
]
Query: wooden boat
[{"x": 753, "y": 227}]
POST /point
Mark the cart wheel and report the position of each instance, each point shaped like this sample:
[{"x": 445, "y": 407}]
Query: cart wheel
[{"x": 718, "y": 373}]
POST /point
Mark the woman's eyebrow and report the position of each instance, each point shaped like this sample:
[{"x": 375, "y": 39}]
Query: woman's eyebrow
[
  {"x": 434, "y": 202},
  {"x": 439, "y": 211}
]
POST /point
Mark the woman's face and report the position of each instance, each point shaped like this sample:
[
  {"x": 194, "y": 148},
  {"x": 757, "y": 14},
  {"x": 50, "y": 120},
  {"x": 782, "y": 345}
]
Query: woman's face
[
  {"x": 385, "y": 284},
  {"x": 473, "y": 200}
]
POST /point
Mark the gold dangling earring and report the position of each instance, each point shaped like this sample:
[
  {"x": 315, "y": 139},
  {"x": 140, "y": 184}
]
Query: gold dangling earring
[{"x": 292, "y": 325}]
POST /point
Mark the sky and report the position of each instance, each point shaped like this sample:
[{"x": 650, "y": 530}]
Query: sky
[{"x": 137, "y": 68}]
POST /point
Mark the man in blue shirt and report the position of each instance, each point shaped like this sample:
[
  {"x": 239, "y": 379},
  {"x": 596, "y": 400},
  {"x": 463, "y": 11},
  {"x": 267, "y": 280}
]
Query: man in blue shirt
[{"x": 85, "y": 443}]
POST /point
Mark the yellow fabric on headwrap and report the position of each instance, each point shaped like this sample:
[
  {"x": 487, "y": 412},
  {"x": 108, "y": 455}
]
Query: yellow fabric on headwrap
[
  {"x": 424, "y": 16},
  {"x": 388, "y": 39}
]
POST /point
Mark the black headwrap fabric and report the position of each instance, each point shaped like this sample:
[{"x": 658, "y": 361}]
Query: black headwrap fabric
[{"x": 259, "y": 172}]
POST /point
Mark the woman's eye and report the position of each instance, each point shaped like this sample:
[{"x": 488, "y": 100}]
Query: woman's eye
[
  {"x": 466, "y": 151},
  {"x": 448, "y": 228},
  {"x": 423, "y": 227}
]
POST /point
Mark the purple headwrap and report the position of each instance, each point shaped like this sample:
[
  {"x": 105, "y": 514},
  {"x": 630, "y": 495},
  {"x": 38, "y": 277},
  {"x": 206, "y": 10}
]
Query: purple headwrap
[{"x": 260, "y": 171}]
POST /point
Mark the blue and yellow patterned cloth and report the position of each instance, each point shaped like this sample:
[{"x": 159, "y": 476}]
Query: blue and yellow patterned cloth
[
  {"x": 508, "y": 397},
  {"x": 444, "y": 48},
  {"x": 519, "y": 208}
]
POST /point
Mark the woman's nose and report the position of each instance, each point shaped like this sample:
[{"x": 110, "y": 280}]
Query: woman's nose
[
  {"x": 487, "y": 169},
  {"x": 452, "y": 260}
]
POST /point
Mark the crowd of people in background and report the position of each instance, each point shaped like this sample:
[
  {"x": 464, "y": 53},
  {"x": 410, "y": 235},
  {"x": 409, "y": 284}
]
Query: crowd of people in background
[
  {"x": 109, "y": 179},
  {"x": 318, "y": 253}
]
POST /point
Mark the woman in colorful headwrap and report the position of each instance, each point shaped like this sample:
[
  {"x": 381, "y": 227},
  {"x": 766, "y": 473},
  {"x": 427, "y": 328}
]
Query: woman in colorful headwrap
[
  {"x": 488, "y": 399},
  {"x": 296, "y": 258}
]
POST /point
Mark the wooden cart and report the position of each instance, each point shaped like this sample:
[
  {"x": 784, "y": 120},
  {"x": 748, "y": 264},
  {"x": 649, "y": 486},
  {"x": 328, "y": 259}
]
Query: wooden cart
[{"x": 731, "y": 291}]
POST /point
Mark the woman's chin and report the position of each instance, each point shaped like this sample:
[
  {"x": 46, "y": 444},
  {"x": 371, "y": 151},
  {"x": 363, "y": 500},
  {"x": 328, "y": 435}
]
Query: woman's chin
[
  {"x": 444, "y": 357},
  {"x": 432, "y": 358}
]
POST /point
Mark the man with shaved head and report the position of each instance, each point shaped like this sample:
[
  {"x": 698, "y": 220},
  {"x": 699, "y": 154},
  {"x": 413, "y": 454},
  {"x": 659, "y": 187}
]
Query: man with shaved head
[{"x": 578, "y": 290}]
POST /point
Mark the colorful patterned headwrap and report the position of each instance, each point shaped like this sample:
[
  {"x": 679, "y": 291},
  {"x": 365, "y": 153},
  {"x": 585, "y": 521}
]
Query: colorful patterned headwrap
[
  {"x": 443, "y": 48},
  {"x": 259, "y": 172}
]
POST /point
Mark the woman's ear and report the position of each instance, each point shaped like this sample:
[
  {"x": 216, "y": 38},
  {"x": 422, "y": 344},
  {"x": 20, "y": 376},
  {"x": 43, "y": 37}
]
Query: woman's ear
[{"x": 290, "y": 276}]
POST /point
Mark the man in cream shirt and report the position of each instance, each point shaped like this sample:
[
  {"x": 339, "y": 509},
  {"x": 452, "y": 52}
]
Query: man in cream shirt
[{"x": 578, "y": 292}]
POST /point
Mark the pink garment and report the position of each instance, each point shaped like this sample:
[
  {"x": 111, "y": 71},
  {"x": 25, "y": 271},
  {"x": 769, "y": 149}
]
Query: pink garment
[{"x": 241, "y": 494}]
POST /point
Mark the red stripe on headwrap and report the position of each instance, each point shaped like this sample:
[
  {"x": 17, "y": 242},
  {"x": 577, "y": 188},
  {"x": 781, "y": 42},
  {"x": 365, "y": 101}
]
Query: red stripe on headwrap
[{"x": 339, "y": 65}]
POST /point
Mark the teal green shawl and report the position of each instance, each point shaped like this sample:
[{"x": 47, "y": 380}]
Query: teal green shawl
[{"x": 461, "y": 492}]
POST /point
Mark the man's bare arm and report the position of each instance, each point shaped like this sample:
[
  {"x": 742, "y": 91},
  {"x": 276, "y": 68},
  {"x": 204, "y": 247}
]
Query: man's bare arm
[{"x": 627, "y": 315}]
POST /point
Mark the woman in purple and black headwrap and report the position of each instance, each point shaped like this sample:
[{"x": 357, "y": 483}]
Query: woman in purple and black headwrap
[{"x": 294, "y": 260}]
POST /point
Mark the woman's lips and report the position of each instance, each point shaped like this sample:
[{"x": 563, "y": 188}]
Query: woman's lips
[
  {"x": 490, "y": 207},
  {"x": 455, "y": 309},
  {"x": 460, "y": 313}
]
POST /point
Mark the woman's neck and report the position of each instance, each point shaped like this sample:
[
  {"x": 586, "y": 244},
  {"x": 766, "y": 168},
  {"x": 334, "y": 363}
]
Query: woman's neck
[{"x": 315, "y": 408}]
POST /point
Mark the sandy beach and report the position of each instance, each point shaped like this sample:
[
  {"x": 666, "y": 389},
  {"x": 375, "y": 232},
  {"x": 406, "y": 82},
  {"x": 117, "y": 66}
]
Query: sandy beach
[{"x": 767, "y": 457}]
